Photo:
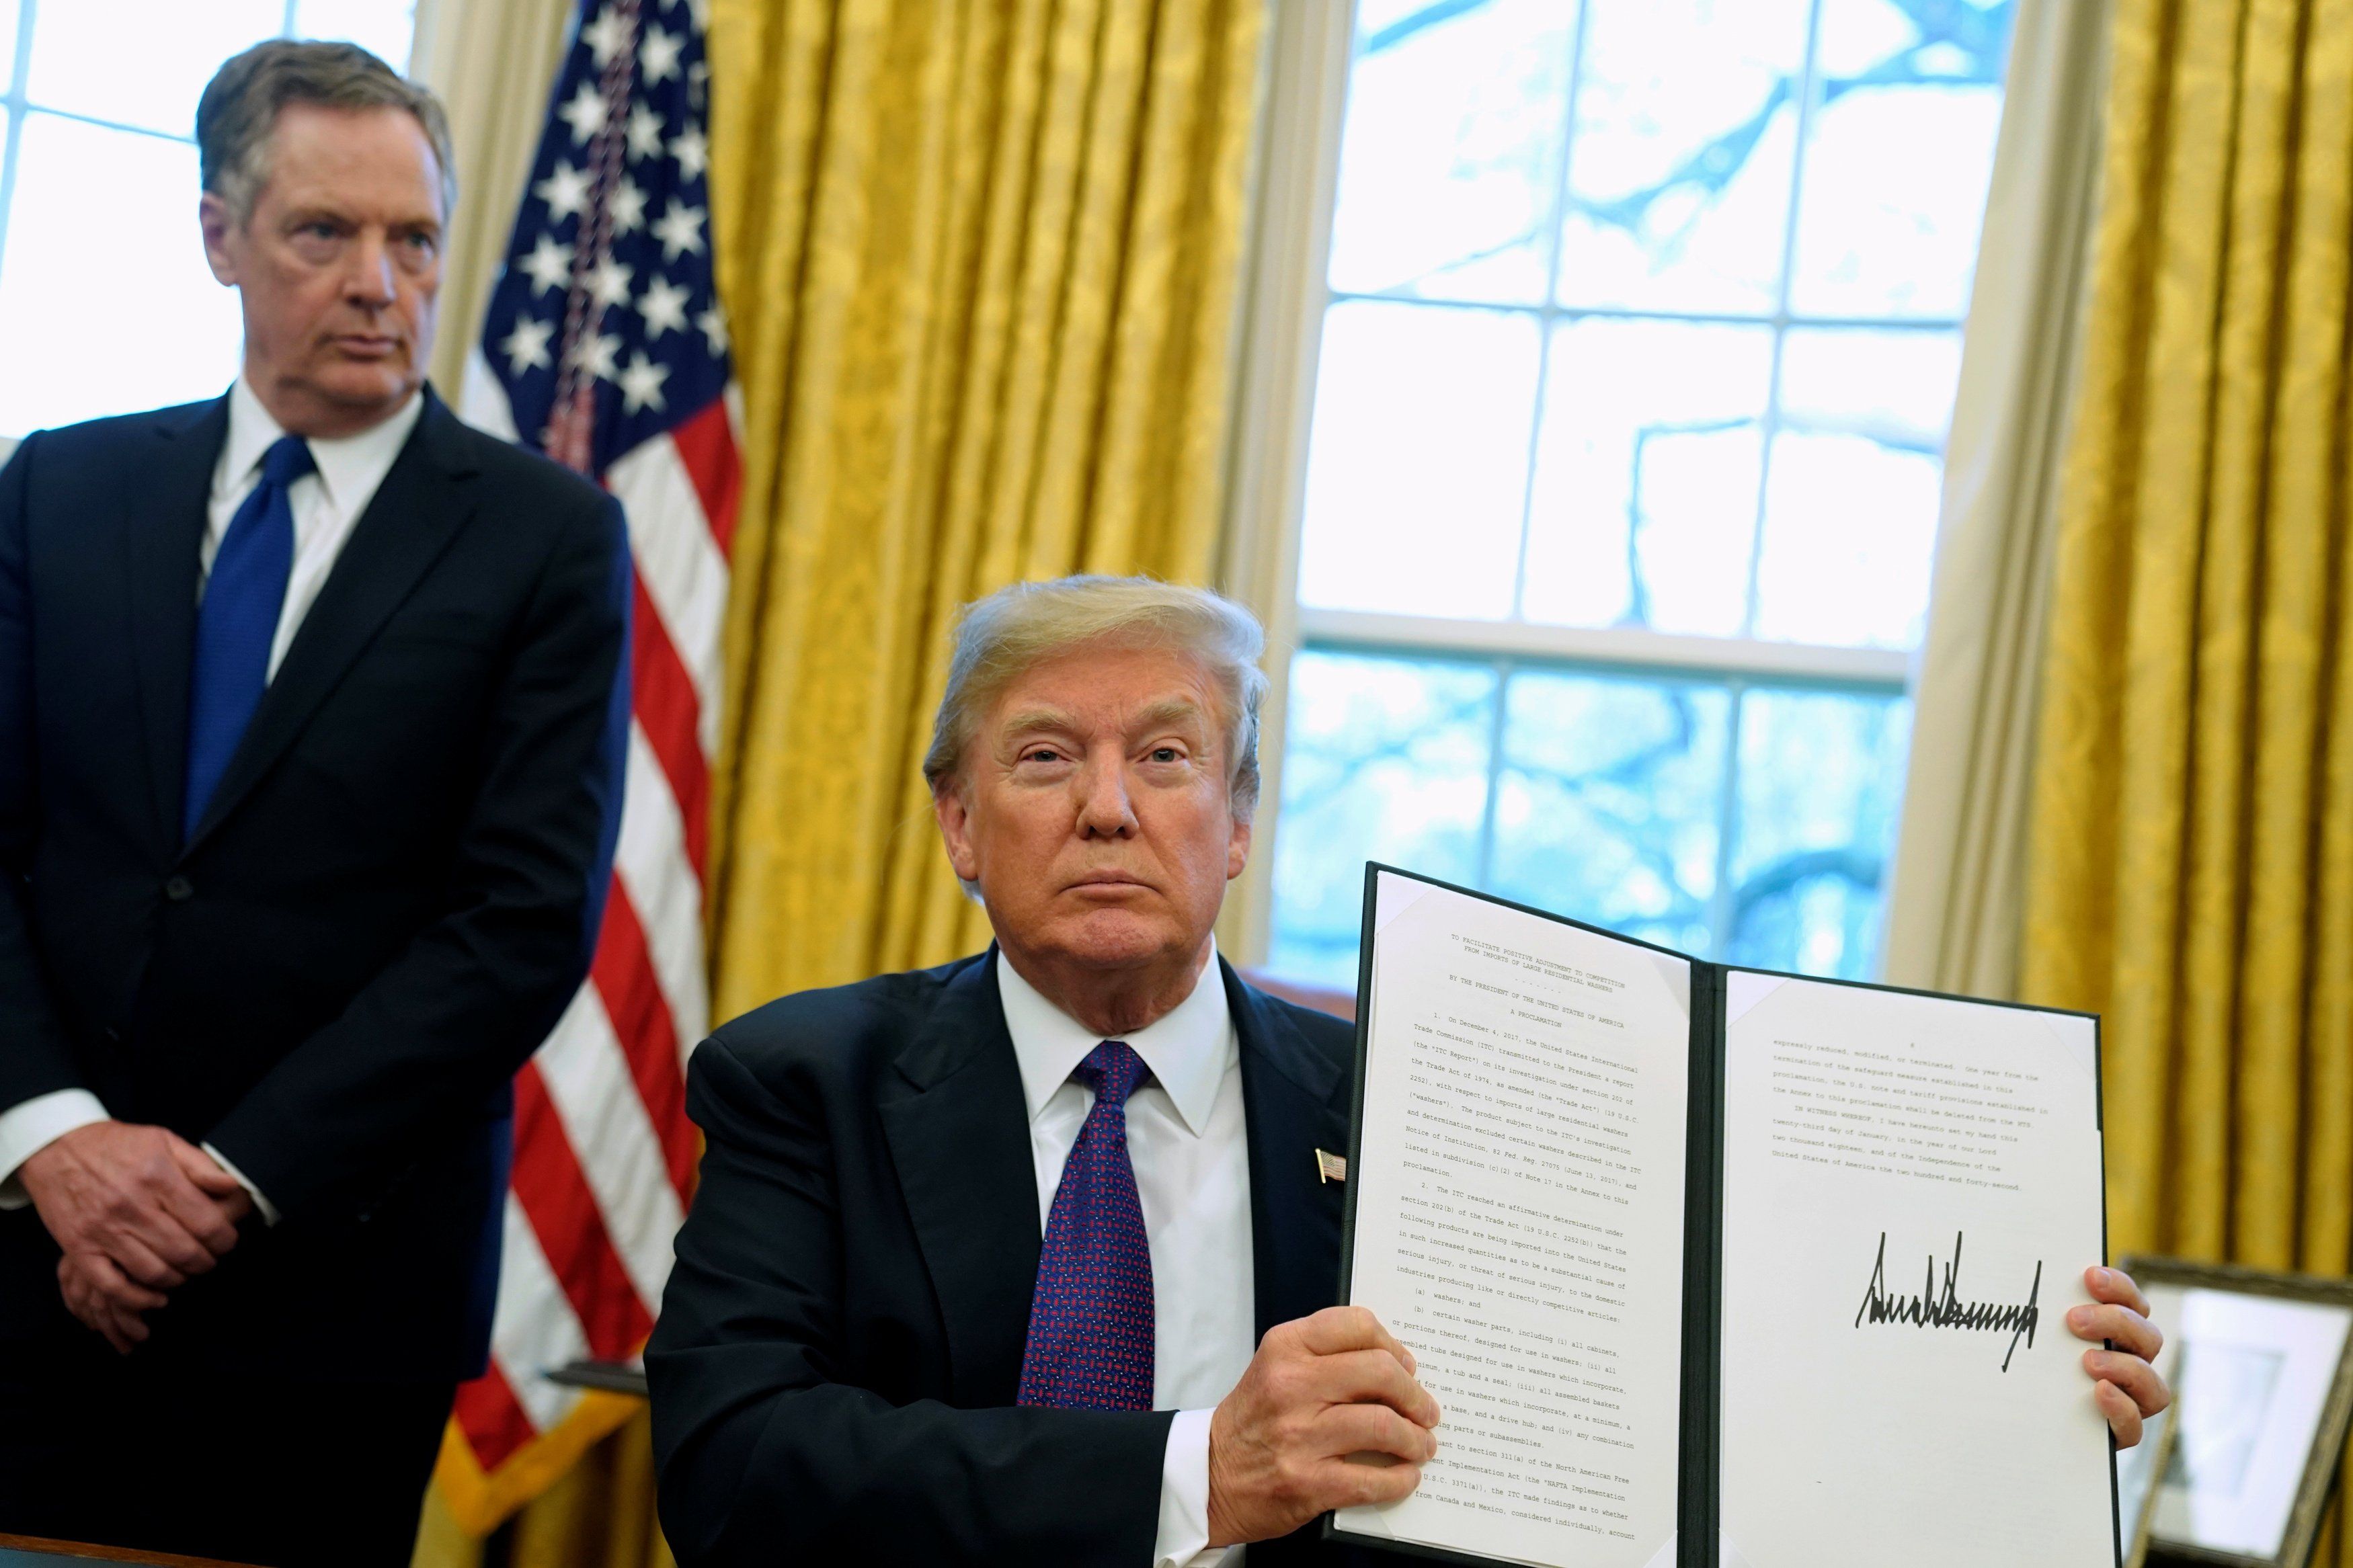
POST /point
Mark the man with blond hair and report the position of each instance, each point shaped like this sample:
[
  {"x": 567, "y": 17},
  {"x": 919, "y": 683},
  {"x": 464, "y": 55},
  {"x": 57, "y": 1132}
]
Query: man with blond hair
[
  {"x": 310, "y": 734},
  {"x": 1031, "y": 1259}
]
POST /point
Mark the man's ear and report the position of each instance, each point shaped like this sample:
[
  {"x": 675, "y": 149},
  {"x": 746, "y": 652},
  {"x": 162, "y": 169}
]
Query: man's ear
[
  {"x": 1238, "y": 848},
  {"x": 956, "y": 830},
  {"x": 217, "y": 223}
]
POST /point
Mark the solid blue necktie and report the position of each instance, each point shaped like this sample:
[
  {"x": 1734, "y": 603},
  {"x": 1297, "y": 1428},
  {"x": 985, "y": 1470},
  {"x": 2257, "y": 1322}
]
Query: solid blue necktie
[
  {"x": 1091, "y": 1318},
  {"x": 236, "y": 623}
]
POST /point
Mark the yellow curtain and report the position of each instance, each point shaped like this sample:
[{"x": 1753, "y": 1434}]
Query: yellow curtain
[
  {"x": 2192, "y": 868},
  {"x": 981, "y": 259}
]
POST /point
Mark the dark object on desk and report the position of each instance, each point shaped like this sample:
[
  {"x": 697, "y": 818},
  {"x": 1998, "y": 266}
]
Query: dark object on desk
[
  {"x": 611, "y": 1376},
  {"x": 2262, "y": 1399},
  {"x": 24, "y": 1551}
]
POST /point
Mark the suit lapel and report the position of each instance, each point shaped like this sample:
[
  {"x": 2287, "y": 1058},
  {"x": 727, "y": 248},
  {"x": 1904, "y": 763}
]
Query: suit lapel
[
  {"x": 163, "y": 530},
  {"x": 1294, "y": 1104},
  {"x": 959, "y": 1134},
  {"x": 414, "y": 513}
]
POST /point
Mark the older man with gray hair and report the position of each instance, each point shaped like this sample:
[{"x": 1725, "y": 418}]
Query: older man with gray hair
[
  {"x": 311, "y": 737},
  {"x": 1029, "y": 1258}
]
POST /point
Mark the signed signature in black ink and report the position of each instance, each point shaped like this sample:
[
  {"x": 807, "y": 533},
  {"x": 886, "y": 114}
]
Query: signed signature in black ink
[{"x": 1931, "y": 1309}]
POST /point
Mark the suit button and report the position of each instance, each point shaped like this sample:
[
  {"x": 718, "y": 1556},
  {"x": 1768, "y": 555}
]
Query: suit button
[
  {"x": 179, "y": 889},
  {"x": 114, "y": 1036}
]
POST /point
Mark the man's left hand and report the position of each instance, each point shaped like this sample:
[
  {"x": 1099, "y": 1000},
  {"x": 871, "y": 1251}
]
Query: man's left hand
[
  {"x": 108, "y": 1301},
  {"x": 2124, "y": 1384}
]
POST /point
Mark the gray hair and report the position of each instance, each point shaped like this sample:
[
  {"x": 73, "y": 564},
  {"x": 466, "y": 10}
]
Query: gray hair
[
  {"x": 240, "y": 105},
  {"x": 1025, "y": 624}
]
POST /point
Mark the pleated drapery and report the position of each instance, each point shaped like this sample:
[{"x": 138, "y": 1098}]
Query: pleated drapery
[
  {"x": 2191, "y": 874},
  {"x": 981, "y": 258},
  {"x": 1956, "y": 906}
]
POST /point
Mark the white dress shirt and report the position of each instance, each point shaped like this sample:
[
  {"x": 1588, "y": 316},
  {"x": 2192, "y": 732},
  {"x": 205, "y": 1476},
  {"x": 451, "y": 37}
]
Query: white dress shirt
[
  {"x": 327, "y": 504},
  {"x": 1185, "y": 1140}
]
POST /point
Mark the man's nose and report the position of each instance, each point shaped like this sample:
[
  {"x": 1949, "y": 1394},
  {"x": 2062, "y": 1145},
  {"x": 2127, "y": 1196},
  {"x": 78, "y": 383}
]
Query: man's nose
[
  {"x": 1104, "y": 810},
  {"x": 369, "y": 281}
]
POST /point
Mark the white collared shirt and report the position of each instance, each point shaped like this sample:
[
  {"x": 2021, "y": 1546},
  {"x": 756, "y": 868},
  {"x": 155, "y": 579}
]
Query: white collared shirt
[
  {"x": 1186, "y": 1142},
  {"x": 327, "y": 504}
]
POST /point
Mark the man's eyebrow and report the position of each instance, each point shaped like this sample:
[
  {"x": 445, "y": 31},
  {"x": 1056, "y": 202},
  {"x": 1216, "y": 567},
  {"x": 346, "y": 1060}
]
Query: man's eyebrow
[
  {"x": 315, "y": 212},
  {"x": 1167, "y": 711},
  {"x": 1036, "y": 721}
]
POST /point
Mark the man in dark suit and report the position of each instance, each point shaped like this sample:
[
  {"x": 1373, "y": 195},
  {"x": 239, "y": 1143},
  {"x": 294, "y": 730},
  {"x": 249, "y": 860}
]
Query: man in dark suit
[
  {"x": 1029, "y": 1258},
  {"x": 310, "y": 730}
]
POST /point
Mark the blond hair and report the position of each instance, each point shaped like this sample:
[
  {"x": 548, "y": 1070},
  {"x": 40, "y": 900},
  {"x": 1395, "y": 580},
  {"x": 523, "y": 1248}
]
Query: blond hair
[{"x": 1024, "y": 625}]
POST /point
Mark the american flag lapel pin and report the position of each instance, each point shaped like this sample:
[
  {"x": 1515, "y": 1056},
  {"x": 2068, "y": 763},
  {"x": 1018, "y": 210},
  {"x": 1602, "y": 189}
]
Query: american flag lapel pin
[{"x": 1330, "y": 1167}]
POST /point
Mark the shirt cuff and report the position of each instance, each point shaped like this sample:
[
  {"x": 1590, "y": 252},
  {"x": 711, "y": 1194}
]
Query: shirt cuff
[
  {"x": 1183, "y": 1541},
  {"x": 28, "y": 1129},
  {"x": 262, "y": 1205}
]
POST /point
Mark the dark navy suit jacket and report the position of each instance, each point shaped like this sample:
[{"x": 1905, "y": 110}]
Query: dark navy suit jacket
[
  {"x": 391, "y": 898},
  {"x": 839, "y": 1349}
]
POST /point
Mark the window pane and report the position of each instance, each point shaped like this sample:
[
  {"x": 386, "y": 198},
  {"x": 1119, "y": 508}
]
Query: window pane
[
  {"x": 1679, "y": 169},
  {"x": 1899, "y": 154},
  {"x": 1820, "y": 779},
  {"x": 1645, "y": 507},
  {"x": 1386, "y": 760},
  {"x": 1858, "y": 474},
  {"x": 1417, "y": 469},
  {"x": 80, "y": 62},
  {"x": 1451, "y": 156},
  {"x": 383, "y": 28},
  {"x": 1608, "y": 801},
  {"x": 106, "y": 303},
  {"x": 1895, "y": 383}
]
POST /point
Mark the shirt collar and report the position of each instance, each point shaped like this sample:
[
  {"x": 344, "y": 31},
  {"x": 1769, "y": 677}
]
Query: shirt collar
[
  {"x": 349, "y": 466},
  {"x": 1187, "y": 1051}
]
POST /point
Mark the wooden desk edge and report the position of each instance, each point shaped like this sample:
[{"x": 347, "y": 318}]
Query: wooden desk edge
[{"x": 108, "y": 1554}]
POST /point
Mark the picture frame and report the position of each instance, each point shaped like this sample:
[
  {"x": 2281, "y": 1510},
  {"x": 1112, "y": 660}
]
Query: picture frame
[
  {"x": 2259, "y": 1426},
  {"x": 2138, "y": 1470}
]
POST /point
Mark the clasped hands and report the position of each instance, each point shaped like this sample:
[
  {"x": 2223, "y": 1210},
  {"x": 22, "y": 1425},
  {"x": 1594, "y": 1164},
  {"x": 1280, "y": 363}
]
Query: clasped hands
[
  {"x": 138, "y": 1212},
  {"x": 1329, "y": 1414}
]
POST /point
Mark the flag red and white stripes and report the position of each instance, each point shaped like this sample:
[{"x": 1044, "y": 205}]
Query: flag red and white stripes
[{"x": 604, "y": 346}]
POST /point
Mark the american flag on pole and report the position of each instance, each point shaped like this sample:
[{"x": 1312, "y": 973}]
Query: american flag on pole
[{"x": 604, "y": 347}]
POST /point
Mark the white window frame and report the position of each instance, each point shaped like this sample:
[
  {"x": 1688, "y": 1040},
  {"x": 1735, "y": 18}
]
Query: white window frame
[{"x": 1286, "y": 293}]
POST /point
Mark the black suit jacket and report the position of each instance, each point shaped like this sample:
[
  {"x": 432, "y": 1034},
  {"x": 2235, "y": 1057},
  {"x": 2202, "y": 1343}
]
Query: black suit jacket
[
  {"x": 841, "y": 1346},
  {"x": 391, "y": 897}
]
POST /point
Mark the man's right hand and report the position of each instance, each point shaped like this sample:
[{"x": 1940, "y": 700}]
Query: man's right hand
[
  {"x": 143, "y": 1196},
  {"x": 1319, "y": 1390}
]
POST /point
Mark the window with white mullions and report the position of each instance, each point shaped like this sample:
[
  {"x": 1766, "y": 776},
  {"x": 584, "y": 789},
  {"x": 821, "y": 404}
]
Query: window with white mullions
[
  {"x": 1642, "y": 330},
  {"x": 106, "y": 304}
]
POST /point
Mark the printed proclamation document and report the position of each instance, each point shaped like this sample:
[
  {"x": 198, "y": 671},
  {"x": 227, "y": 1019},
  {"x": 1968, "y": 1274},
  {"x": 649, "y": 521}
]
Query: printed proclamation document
[{"x": 1521, "y": 1227}]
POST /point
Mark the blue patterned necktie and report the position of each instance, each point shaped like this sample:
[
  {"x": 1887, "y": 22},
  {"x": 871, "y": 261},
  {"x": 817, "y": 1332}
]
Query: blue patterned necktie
[
  {"x": 236, "y": 623},
  {"x": 1091, "y": 1319}
]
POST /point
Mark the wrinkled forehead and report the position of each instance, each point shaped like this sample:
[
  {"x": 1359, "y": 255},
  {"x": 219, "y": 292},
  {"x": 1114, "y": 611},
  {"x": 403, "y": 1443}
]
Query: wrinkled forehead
[
  {"x": 1108, "y": 686},
  {"x": 378, "y": 157}
]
